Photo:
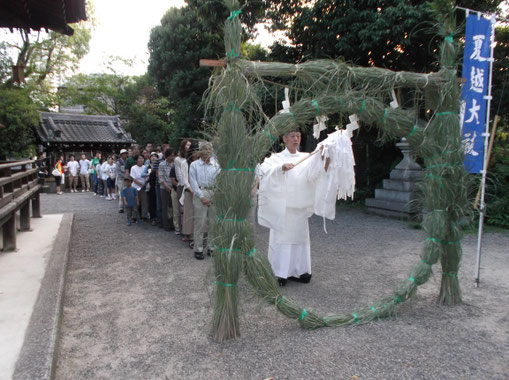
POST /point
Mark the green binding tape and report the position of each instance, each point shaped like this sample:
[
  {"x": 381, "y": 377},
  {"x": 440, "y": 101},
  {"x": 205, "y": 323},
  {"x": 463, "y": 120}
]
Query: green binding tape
[
  {"x": 376, "y": 312},
  {"x": 250, "y": 253},
  {"x": 446, "y": 113},
  {"x": 385, "y": 115},
  {"x": 291, "y": 113},
  {"x": 355, "y": 317},
  {"x": 451, "y": 274},
  {"x": 341, "y": 102},
  {"x": 449, "y": 38},
  {"x": 234, "y": 14},
  {"x": 324, "y": 322},
  {"x": 413, "y": 131},
  {"x": 281, "y": 300},
  {"x": 303, "y": 315},
  {"x": 232, "y": 54},
  {"x": 267, "y": 133},
  {"x": 425, "y": 262},
  {"x": 226, "y": 249},
  {"x": 363, "y": 106},
  {"x": 413, "y": 280},
  {"x": 316, "y": 106},
  {"x": 222, "y": 218},
  {"x": 442, "y": 241},
  {"x": 232, "y": 107},
  {"x": 397, "y": 300},
  {"x": 239, "y": 169},
  {"x": 223, "y": 284}
]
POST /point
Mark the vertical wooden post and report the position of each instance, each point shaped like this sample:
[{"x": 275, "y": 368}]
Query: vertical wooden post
[
  {"x": 9, "y": 234},
  {"x": 36, "y": 205},
  {"x": 24, "y": 217}
]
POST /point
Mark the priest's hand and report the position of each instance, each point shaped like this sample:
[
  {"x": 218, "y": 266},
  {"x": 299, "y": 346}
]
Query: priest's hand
[
  {"x": 205, "y": 201},
  {"x": 287, "y": 167}
]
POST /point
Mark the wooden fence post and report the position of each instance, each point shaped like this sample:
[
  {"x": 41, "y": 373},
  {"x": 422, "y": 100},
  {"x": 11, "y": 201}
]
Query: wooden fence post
[
  {"x": 36, "y": 205},
  {"x": 24, "y": 217},
  {"x": 9, "y": 233}
]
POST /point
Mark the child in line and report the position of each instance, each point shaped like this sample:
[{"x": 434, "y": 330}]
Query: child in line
[{"x": 131, "y": 202}]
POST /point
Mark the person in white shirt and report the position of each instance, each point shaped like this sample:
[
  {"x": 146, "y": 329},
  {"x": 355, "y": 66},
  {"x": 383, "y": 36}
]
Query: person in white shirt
[
  {"x": 72, "y": 166},
  {"x": 184, "y": 191},
  {"x": 202, "y": 177},
  {"x": 111, "y": 173},
  {"x": 104, "y": 178},
  {"x": 84, "y": 174},
  {"x": 139, "y": 183}
]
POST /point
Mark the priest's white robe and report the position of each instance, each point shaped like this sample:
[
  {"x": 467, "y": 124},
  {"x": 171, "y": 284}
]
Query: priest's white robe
[
  {"x": 285, "y": 202},
  {"x": 287, "y": 199}
]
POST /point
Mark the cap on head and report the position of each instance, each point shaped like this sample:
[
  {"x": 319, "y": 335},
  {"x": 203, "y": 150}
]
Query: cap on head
[{"x": 123, "y": 151}]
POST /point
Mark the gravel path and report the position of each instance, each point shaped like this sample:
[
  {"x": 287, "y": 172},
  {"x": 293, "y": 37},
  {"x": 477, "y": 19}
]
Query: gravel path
[{"x": 137, "y": 306}]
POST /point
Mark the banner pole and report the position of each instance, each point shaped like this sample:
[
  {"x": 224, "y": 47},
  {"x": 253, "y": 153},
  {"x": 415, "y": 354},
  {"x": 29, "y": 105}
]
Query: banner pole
[{"x": 482, "y": 208}]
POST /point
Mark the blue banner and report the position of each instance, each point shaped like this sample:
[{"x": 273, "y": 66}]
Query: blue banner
[{"x": 476, "y": 71}]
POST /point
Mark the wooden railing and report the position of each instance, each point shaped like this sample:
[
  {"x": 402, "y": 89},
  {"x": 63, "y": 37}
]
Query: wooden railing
[{"x": 18, "y": 188}]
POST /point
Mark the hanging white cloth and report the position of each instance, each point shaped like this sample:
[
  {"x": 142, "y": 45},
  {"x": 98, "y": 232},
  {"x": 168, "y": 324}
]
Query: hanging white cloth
[{"x": 338, "y": 182}]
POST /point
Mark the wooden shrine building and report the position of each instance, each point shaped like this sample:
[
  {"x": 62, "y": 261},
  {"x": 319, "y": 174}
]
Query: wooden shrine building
[{"x": 73, "y": 133}]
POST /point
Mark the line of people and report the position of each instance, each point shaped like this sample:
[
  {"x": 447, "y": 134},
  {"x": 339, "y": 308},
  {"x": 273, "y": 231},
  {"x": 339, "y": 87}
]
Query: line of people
[{"x": 172, "y": 190}]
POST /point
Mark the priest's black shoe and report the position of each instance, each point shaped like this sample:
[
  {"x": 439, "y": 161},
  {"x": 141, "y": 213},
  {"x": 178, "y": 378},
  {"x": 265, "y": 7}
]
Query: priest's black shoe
[
  {"x": 198, "y": 255},
  {"x": 303, "y": 278},
  {"x": 281, "y": 281}
]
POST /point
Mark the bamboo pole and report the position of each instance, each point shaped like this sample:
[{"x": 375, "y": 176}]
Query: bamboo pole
[{"x": 492, "y": 140}]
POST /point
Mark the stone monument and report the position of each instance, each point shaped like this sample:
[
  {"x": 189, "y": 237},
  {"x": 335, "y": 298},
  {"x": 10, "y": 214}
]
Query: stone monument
[{"x": 398, "y": 196}]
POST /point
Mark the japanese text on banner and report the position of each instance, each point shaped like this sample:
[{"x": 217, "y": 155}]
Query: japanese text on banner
[{"x": 476, "y": 69}]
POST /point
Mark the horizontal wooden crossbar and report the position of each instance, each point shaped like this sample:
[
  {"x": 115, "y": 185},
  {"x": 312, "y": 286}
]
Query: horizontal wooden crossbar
[{"x": 17, "y": 203}]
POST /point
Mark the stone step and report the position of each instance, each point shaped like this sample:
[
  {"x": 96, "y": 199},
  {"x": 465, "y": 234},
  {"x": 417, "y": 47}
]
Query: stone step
[
  {"x": 406, "y": 207},
  {"x": 390, "y": 213},
  {"x": 406, "y": 175},
  {"x": 394, "y": 195},
  {"x": 394, "y": 184}
]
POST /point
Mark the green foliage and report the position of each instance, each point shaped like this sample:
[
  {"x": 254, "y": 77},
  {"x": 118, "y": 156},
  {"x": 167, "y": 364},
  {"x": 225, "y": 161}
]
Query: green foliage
[
  {"x": 5, "y": 63},
  {"x": 176, "y": 47},
  {"x": 45, "y": 57},
  {"x": 145, "y": 114},
  {"x": 497, "y": 191},
  {"x": 185, "y": 36},
  {"x": 18, "y": 117},
  {"x": 101, "y": 94}
]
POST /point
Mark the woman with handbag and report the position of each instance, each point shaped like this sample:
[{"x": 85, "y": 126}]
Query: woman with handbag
[{"x": 58, "y": 172}]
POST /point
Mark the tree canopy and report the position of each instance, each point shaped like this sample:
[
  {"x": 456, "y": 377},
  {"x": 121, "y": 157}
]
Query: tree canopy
[{"x": 18, "y": 118}]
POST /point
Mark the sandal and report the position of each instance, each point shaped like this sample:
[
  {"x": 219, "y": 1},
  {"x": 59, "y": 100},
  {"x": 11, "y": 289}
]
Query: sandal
[{"x": 191, "y": 244}]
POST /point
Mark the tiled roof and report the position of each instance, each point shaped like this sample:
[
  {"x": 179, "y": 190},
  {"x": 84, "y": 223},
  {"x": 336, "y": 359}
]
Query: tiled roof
[{"x": 78, "y": 128}]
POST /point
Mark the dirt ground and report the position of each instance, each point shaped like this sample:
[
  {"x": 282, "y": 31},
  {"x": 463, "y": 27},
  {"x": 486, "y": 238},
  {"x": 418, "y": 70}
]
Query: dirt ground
[{"x": 138, "y": 306}]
